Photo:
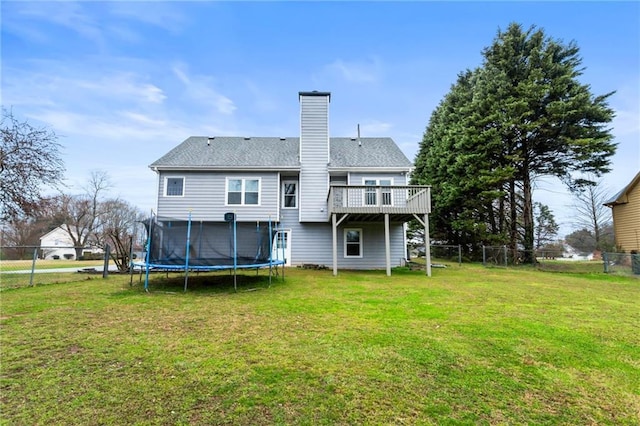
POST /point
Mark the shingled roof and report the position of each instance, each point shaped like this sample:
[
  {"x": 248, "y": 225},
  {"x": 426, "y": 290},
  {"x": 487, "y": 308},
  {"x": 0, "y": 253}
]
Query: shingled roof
[
  {"x": 621, "y": 197},
  {"x": 366, "y": 152},
  {"x": 231, "y": 152},
  {"x": 201, "y": 152}
]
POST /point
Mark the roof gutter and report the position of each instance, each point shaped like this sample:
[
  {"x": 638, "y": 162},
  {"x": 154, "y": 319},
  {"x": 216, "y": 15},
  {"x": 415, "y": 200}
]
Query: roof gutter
[
  {"x": 370, "y": 169},
  {"x": 224, "y": 168}
]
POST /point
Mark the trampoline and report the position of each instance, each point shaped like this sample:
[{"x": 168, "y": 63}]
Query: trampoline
[{"x": 202, "y": 246}]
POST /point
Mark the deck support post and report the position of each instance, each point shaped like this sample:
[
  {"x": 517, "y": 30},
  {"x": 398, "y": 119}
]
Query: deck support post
[
  {"x": 334, "y": 225},
  {"x": 424, "y": 221},
  {"x": 387, "y": 243},
  {"x": 427, "y": 245}
]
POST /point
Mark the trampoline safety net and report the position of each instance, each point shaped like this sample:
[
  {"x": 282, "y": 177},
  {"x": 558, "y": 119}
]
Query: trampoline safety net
[{"x": 180, "y": 244}]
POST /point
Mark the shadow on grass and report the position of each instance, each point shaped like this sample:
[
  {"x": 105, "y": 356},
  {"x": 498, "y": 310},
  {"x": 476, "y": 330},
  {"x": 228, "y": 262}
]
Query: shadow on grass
[{"x": 210, "y": 283}]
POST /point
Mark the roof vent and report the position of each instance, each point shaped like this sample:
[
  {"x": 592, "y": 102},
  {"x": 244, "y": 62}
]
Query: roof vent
[
  {"x": 209, "y": 140},
  {"x": 283, "y": 139},
  {"x": 246, "y": 138}
]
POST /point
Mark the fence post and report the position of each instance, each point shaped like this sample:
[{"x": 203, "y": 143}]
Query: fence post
[
  {"x": 459, "y": 255},
  {"x": 105, "y": 269},
  {"x": 605, "y": 260},
  {"x": 505, "y": 256},
  {"x": 33, "y": 266},
  {"x": 484, "y": 256},
  {"x": 131, "y": 260}
]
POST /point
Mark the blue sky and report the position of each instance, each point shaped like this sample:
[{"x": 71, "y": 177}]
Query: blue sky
[{"x": 121, "y": 83}]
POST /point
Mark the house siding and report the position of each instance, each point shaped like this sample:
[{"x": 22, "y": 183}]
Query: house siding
[
  {"x": 312, "y": 243},
  {"x": 626, "y": 219},
  {"x": 205, "y": 197},
  {"x": 314, "y": 158}
]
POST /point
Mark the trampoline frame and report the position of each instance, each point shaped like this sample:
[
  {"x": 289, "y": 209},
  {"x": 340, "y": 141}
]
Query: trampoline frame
[{"x": 186, "y": 267}]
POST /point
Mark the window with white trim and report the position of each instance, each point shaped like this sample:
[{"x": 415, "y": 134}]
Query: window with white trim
[
  {"x": 352, "y": 242},
  {"x": 243, "y": 192},
  {"x": 289, "y": 195},
  {"x": 174, "y": 187},
  {"x": 371, "y": 194}
]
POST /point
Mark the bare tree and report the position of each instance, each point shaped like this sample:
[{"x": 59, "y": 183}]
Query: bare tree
[
  {"x": 590, "y": 212},
  {"x": 29, "y": 159},
  {"x": 82, "y": 215},
  {"x": 20, "y": 233},
  {"x": 120, "y": 223}
]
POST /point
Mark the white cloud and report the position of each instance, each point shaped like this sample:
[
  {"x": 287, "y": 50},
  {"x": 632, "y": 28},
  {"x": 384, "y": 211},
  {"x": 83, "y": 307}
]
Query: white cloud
[
  {"x": 67, "y": 14},
  {"x": 161, "y": 14},
  {"x": 200, "y": 89},
  {"x": 122, "y": 86}
]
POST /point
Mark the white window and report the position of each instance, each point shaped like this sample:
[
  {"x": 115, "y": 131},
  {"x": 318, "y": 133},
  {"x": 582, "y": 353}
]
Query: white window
[
  {"x": 371, "y": 194},
  {"x": 290, "y": 195},
  {"x": 352, "y": 242},
  {"x": 243, "y": 192},
  {"x": 174, "y": 186}
]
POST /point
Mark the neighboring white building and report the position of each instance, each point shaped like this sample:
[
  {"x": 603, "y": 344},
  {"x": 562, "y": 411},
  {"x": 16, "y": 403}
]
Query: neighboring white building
[
  {"x": 57, "y": 244},
  {"x": 572, "y": 254}
]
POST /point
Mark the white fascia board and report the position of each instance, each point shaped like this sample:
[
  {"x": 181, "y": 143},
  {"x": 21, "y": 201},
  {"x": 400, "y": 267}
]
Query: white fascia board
[
  {"x": 370, "y": 169},
  {"x": 225, "y": 168}
]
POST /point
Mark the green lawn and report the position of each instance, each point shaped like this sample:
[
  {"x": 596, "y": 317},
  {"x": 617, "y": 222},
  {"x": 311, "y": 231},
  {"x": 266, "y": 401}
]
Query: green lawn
[
  {"x": 15, "y": 265},
  {"x": 468, "y": 346},
  {"x": 12, "y": 272}
]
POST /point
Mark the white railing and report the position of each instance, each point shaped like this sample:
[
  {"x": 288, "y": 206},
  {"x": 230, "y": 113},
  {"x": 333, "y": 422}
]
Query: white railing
[{"x": 379, "y": 199}]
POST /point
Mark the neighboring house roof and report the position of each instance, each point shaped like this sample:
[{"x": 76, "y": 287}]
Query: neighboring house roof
[
  {"x": 59, "y": 230},
  {"x": 278, "y": 153},
  {"x": 621, "y": 197}
]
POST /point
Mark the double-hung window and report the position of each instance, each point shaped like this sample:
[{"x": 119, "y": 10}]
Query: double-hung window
[
  {"x": 352, "y": 242},
  {"x": 289, "y": 195},
  {"x": 174, "y": 186},
  {"x": 243, "y": 191}
]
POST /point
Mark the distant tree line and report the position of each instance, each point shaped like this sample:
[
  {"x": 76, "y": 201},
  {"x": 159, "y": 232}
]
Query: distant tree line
[{"x": 522, "y": 115}]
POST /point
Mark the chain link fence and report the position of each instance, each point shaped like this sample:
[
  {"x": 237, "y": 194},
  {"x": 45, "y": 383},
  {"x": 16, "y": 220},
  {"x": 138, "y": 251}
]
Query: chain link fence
[
  {"x": 22, "y": 266},
  {"x": 621, "y": 263},
  {"x": 553, "y": 260},
  {"x": 446, "y": 253}
]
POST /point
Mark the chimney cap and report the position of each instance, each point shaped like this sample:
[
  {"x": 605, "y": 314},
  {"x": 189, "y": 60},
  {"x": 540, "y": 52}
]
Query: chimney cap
[{"x": 315, "y": 93}]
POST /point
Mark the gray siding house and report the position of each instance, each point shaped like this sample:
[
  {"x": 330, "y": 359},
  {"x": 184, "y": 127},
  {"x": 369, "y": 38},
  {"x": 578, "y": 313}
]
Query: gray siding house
[{"x": 337, "y": 201}]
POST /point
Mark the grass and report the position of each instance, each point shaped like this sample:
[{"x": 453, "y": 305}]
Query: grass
[
  {"x": 12, "y": 272},
  {"x": 468, "y": 346},
  {"x": 14, "y": 265}
]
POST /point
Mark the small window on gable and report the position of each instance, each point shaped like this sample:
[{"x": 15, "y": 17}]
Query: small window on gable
[
  {"x": 353, "y": 242},
  {"x": 290, "y": 195},
  {"x": 174, "y": 187}
]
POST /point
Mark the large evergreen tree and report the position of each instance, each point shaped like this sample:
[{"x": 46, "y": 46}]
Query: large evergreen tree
[{"x": 523, "y": 114}]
